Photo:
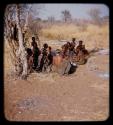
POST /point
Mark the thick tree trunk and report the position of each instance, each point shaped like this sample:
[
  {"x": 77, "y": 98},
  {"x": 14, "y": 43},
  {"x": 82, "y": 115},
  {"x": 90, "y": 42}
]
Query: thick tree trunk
[{"x": 21, "y": 51}]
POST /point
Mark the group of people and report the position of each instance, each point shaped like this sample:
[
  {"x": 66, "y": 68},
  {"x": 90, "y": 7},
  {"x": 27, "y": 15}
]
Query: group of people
[
  {"x": 74, "y": 49},
  {"x": 40, "y": 59}
]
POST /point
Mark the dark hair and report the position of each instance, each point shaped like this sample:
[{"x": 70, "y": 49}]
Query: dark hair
[
  {"x": 49, "y": 47},
  {"x": 73, "y": 39},
  {"x": 45, "y": 45},
  {"x": 29, "y": 51},
  {"x": 68, "y": 42},
  {"x": 33, "y": 38},
  {"x": 80, "y": 41}
]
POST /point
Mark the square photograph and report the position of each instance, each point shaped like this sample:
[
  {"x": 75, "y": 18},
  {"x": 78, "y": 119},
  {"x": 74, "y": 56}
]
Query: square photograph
[{"x": 56, "y": 62}]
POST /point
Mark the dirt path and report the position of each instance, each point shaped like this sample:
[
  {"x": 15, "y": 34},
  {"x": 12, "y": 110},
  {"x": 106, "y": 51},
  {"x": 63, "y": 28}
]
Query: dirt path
[{"x": 81, "y": 96}]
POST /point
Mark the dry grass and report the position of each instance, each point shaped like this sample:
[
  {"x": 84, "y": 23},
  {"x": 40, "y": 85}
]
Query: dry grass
[{"x": 92, "y": 35}]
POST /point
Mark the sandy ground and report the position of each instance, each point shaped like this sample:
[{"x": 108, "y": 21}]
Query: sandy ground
[{"x": 82, "y": 96}]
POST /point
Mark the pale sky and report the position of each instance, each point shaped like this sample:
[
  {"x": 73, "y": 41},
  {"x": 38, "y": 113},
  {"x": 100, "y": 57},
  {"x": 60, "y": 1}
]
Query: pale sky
[{"x": 76, "y": 10}]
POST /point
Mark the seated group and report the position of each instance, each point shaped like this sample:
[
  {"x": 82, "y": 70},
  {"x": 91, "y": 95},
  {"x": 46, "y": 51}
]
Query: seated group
[{"x": 39, "y": 59}]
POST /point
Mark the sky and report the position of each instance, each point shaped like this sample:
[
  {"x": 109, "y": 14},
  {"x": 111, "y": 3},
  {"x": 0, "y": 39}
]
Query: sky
[{"x": 76, "y": 10}]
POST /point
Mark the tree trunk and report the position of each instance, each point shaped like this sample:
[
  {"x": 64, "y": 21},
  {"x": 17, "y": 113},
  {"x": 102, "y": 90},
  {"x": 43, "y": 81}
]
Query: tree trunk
[{"x": 21, "y": 53}]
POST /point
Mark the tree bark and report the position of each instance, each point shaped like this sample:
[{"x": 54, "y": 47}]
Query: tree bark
[{"x": 21, "y": 53}]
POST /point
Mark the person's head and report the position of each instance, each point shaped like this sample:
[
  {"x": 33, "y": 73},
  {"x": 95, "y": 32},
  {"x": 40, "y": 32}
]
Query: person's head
[
  {"x": 29, "y": 51},
  {"x": 73, "y": 39},
  {"x": 45, "y": 45},
  {"x": 49, "y": 48},
  {"x": 66, "y": 46},
  {"x": 33, "y": 39},
  {"x": 80, "y": 42},
  {"x": 63, "y": 47},
  {"x": 68, "y": 43}
]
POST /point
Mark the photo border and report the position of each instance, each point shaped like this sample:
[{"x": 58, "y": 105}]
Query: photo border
[{"x": 2, "y": 11}]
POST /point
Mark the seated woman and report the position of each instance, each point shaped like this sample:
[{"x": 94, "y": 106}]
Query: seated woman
[
  {"x": 79, "y": 47},
  {"x": 65, "y": 50},
  {"x": 81, "y": 53},
  {"x": 85, "y": 51}
]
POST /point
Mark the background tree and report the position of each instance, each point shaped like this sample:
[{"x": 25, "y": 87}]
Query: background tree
[
  {"x": 51, "y": 19},
  {"x": 95, "y": 15},
  {"x": 34, "y": 27},
  {"x": 66, "y": 15},
  {"x": 34, "y": 22}
]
